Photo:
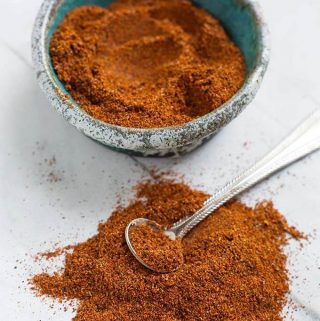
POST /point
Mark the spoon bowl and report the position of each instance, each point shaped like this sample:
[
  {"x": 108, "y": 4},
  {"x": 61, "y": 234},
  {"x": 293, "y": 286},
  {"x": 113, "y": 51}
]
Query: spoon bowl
[{"x": 156, "y": 227}]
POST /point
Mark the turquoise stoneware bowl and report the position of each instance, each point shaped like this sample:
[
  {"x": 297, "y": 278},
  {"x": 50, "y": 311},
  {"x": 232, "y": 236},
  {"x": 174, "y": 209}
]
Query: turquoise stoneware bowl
[{"x": 243, "y": 21}]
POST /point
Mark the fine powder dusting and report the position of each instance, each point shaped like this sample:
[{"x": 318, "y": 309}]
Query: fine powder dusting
[
  {"x": 144, "y": 64},
  {"x": 234, "y": 265}
]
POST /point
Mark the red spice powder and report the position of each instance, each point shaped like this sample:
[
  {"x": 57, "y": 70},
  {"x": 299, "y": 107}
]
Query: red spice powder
[
  {"x": 144, "y": 64},
  {"x": 234, "y": 265},
  {"x": 156, "y": 249}
]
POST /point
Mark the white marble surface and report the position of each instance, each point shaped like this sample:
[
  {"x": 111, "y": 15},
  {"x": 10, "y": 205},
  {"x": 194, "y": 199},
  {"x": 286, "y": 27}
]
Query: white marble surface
[{"x": 33, "y": 208}]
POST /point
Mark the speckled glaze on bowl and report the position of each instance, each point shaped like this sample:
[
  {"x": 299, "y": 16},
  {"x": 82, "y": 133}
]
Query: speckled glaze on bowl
[{"x": 243, "y": 21}]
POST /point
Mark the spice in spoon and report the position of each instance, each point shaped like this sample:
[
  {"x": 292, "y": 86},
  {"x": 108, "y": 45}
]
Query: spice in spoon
[
  {"x": 234, "y": 264},
  {"x": 146, "y": 64},
  {"x": 156, "y": 249}
]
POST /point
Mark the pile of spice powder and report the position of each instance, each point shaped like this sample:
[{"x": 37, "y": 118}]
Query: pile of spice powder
[
  {"x": 146, "y": 64},
  {"x": 234, "y": 265},
  {"x": 156, "y": 249}
]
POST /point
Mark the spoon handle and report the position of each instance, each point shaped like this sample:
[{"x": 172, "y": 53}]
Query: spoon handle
[{"x": 304, "y": 140}]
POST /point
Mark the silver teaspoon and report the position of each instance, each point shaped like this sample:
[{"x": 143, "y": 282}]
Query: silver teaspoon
[{"x": 304, "y": 140}]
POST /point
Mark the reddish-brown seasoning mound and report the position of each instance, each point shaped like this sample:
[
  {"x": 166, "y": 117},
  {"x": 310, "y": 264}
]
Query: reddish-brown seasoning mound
[
  {"x": 234, "y": 266},
  {"x": 144, "y": 64},
  {"x": 156, "y": 249}
]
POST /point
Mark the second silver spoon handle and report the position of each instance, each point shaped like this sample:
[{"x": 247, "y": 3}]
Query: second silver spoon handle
[{"x": 301, "y": 142}]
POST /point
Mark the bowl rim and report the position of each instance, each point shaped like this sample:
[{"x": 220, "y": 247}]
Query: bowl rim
[{"x": 132, "y": 138}]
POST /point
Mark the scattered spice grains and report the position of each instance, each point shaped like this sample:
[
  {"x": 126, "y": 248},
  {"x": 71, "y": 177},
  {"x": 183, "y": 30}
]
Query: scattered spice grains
[
  {"x": 49, "y": 170},
  {"x": 156, "y": 249},
  {"x": 234, "y": 265},
  {"x": 144, "y": 64},
  {"x": 53, "y": 254}
]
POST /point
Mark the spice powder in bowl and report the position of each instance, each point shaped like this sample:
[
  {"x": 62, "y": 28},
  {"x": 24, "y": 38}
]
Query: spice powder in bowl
[
  {"x": 146, "y": 64},
  {"x": 234, "y": 264}
]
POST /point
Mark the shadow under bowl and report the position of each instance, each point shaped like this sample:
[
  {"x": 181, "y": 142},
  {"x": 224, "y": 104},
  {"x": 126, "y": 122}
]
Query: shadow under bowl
[{"x": 243, "y": 21}]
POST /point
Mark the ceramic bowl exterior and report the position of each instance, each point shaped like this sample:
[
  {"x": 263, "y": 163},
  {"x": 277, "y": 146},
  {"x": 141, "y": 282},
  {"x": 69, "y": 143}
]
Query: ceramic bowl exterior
[{"x": 243, "y": 21}]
